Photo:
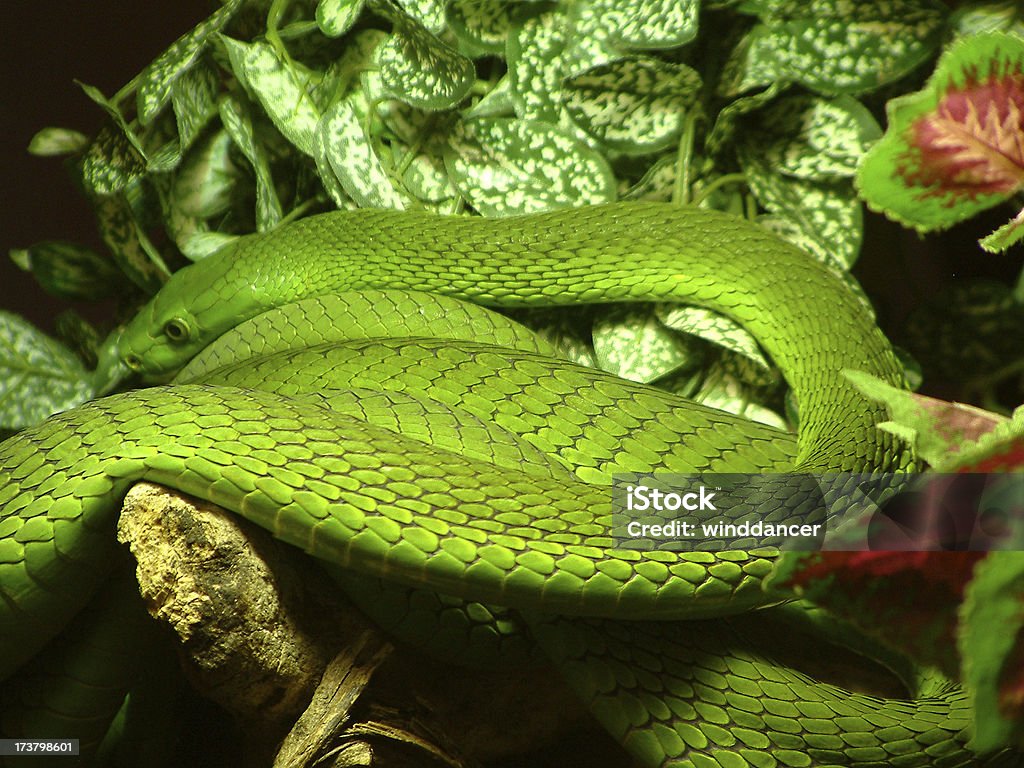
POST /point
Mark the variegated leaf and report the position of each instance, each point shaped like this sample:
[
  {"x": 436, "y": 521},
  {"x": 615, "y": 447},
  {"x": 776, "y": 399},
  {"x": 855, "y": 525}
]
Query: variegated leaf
[
  {"x": 194, "y": 98},
  {"x": 128, "y": 242},
  {"x": 419, "y": 69},
  {"x": 280, "y": 88},
  {"x": 826, "y": 213},
  {"x": 956, "y": 147},
  {"x": 548, "y": 47},
  {"x": 353, "y": 159},
  {"x": 635, "y": 105},
  {"x": 111, "y": 162},
  {"x": 426, "y": 179},
  {"x": 498, "y": 102},
  {"x": 50, "y": 142},
  {"x": 38, "y": 375},
  {"x": 568, "y": 330},
  {"x": 336, "y": 17},
  {"x": 481, "y": 26},
  {"x": 810, "y": 137},
  {"x": 714, "y": 328},
  {"x": 632, "y": 343},
  {"x": 68, "y": 270},
  {"x": 841, "y": 46},
  {"x": 649, "y": 24},
  {"x": 204, "y": 184},
  {"x": 428, "y": 13},
  {"x": 658, "y": 183},
  {"x": 238, "y": 123},
  {"x": 156, "y": 80},
  {"x": 504, "y": 167},
  {"x": 723, "y": 390}
]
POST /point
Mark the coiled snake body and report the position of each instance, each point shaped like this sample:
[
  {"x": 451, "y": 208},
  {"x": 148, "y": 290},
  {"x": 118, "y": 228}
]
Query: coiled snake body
[{"x": 352, "y": 485}]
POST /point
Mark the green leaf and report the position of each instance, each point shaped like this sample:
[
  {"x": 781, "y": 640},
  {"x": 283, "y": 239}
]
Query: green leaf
[
  {"x": 991, "y": 644},
  {"x": 50, "y": 142},
  {"x": 973, "y": 18},
  {"x": 1011, "y": 232},
  {"x": 128, "y": 242},
  {"x": 428, "y": 13},
  {"x": 69, "y": 271},
  {"x": 658, "y": 183},
  {"x": 546, "y": 48},
  {"x": 635, "y": 105},
  {"x": 336, "y": 17},
  {"x": 111, "y": 162},
  {"x": 946, "y": 435},
  {"x": 156, "y": 80},
  {"x": 238, "y": 123},
  {"x": 352, "y": 158},
  {"x": 725, "y": 390},
  {"x": 481, "y": 26},
  {"x": 205, "y": 182},
  {"x": 503, "y": 167},
  {"x": 498, "y": 102},
  {"x": 38, "y": 375},
  {"x": 568, "y": 330},
  {"x": 735, "y": 114},
  {"x": 419, "y": 69},
  {"x": 809, "y": 137},
  {"x": 714, "y": 328},
  {"x": 115, "y": 114},
  {"x": 649, "y": 23},
  {"x": 631, "y": 342},
  {"x": 839, "y": 46},
  {"x": 279, "y": 87},
  {"x": 426, "y": 179},
  {"x": 823, "y": 218},
  {"x": 194, "y": 99},
  {"x": 957, "y": 146}
]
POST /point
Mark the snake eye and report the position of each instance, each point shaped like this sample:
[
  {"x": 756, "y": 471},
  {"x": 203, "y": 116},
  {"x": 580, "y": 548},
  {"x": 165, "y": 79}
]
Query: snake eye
[
  {"x": 134, "y": 362},
  {"x": 176, "y": 330}
]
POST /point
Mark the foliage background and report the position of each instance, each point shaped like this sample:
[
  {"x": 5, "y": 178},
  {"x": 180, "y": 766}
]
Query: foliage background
[{"x": 44, "y": 48}]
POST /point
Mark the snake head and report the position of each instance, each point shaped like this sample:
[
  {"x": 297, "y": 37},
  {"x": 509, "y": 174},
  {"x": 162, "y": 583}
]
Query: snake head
[
  {"x": 155, "y": 345},
  {"x": 193, "y": 308}
]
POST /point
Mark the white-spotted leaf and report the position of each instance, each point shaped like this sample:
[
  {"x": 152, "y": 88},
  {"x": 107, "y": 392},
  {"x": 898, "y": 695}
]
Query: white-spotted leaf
[
  {"x": 714, "y": 328},
  {"x": 194, "y": 99},
  {"x": 38, "y": 375},
  {"x": 632, "y": 343},
  {"x": 336, "y": 17},
  {"x": 156, "y": 80},
  {"x": 238, "y": 123},
  {"x": 825, "y": 213},
  {"x": 649, "y": 23},
  {"x": 810, "y": 137},
  {"x": 481, "y": 26},
  {"x": 635, "y": 105},
  {"x": 841, "y": 46},
  {"x": 353, "y": 159},
  {"x": 280, "y": 88},
  {"x": 419, "y": 69},
  {"x": 503, "y": 167}
]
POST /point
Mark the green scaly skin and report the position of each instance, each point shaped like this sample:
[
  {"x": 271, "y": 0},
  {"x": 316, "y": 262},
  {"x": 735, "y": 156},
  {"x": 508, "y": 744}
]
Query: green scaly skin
[{"x": 363, "y": 497}]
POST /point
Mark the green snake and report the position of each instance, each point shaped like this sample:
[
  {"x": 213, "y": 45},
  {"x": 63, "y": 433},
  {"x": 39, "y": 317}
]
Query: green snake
[{"x": 517, "y": 511}]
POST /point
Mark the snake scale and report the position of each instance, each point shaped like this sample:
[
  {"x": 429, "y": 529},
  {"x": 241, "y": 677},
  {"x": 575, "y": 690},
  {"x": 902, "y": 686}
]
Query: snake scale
[{"x": 516, "y": 511}]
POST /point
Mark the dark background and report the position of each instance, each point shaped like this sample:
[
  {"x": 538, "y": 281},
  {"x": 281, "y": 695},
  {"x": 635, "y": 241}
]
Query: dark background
[{"x": 44, "y": 48}]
